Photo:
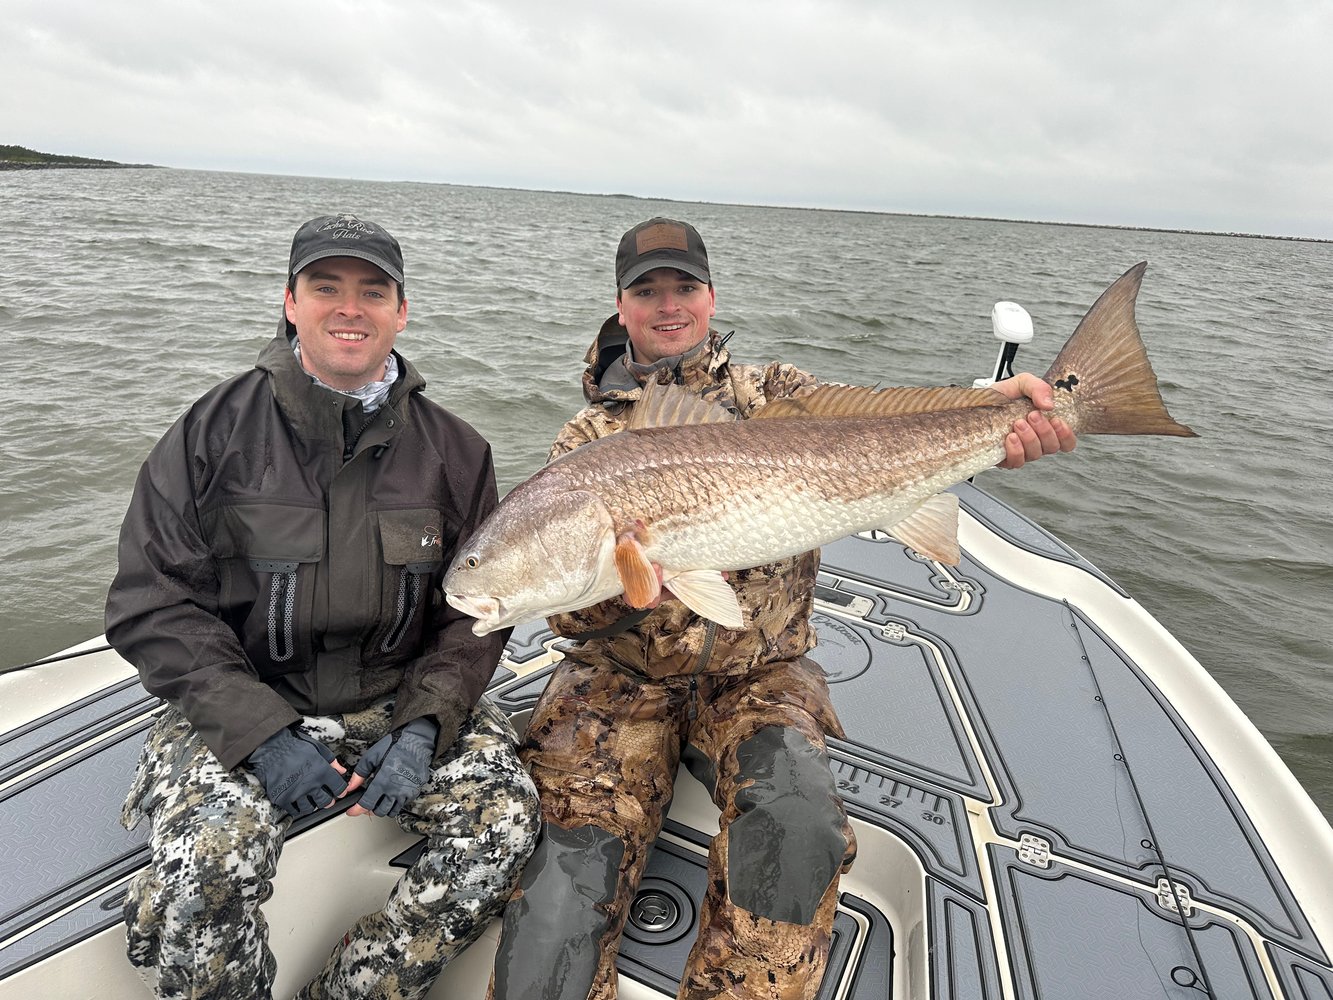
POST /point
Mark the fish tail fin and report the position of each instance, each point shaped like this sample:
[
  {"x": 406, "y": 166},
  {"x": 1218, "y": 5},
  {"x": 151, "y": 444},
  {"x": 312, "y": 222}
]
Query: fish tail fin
[{"x": 1104, "y": 383}]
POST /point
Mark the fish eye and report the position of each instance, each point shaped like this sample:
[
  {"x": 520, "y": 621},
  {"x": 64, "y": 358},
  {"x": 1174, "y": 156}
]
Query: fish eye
[{"x": 471, "y": 562}]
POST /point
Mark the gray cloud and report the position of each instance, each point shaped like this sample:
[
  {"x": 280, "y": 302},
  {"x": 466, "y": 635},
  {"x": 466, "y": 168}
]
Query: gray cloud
[{"x": 1192, "y": 114}]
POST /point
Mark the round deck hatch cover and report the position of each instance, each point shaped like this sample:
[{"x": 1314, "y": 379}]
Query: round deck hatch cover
[{"x": 661, "y": 912}]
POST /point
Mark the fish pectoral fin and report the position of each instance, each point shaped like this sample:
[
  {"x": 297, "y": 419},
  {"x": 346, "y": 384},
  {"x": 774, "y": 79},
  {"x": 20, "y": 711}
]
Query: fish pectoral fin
[
  {"x": 637, "y": 576},
  {"x": 708, "y": 595},
  {"x": 932, "y": 529}
]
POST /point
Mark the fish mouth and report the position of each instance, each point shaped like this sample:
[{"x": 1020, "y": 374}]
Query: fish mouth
[{"x": 488, "y": 611}]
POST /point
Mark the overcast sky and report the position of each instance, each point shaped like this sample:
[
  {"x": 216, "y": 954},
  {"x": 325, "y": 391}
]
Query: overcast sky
[{"x": 1197, "y": 114}]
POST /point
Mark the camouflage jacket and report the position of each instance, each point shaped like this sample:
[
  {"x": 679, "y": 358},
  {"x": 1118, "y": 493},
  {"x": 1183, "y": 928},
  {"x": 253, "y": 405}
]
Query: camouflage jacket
[{"x": 776, "y": 598}]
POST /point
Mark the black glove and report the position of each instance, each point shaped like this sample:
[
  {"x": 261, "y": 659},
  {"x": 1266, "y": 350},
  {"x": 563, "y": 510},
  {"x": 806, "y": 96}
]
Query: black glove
[
  {"x": 400, "y": 763},
  {"x": 296, "y": 772}
]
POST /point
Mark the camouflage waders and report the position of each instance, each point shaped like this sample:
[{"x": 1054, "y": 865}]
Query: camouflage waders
[
  {"x": 193, "y": 918},
  {"x": 603, "y": 746}
]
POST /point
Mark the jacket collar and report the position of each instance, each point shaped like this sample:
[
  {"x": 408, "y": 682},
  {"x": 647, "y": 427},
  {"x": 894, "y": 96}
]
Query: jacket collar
[
  {"x": 310, "y": 408},
  {"x": 612, "y": 378}
]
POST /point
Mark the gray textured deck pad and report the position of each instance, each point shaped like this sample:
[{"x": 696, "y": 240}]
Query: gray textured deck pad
[
  {"x": 1058, "y": 712},
  {"x": 1013, "y": 526},
  {"x": 29, "y": 745},
  {"x": 525, "y": 642},
  {"x": 878, "y": 558},
  {"x": 933, "y": 822},
  {"x": 1300, "y": 978},
  {"x": 63, "y": 846},
  {"x": 900, "y": 710},
  {"x": 962, "y": 953},
  {"x": 96, "y": 914},
  {"x": 64, "y": 842},
  {"x": 1092, "y": 938}
]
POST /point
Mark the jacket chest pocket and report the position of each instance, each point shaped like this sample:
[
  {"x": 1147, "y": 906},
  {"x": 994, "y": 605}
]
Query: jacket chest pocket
[
  {"x": 283, "y": 586},
  {"x": 413, "y": 544},
  {"x": 268, "y": 555}
]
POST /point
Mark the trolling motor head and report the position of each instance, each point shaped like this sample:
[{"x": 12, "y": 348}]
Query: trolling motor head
[{"x": 1012, "y": 325}]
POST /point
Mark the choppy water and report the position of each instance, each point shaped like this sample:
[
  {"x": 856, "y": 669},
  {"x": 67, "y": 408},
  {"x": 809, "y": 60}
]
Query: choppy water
[{"x": 128, "y": 293}]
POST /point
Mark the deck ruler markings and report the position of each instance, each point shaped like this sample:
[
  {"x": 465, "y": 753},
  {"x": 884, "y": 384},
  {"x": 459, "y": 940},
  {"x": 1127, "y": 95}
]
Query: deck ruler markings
[{"x": 862, "y": 785}]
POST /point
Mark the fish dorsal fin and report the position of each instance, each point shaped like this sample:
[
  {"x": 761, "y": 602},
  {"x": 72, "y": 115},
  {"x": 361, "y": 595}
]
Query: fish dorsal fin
[
  {"x": 865, "y": 401},
  {"x": 707, "y": 594},
  {"x": 932, "y": 529},
  {"x": 673, "y": 405}
]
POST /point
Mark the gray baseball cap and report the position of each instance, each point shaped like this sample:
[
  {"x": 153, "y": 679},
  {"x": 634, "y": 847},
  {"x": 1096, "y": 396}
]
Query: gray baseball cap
[
  {"x": 660, "y": 243},
  {"x": 345, "y": 236}
]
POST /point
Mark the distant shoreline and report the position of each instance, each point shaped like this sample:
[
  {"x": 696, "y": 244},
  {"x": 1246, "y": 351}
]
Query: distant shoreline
[
  {"x": 12, "y": 165},
  {"x": 22, "y": 158},
  {"x": 963, "y": 218}
]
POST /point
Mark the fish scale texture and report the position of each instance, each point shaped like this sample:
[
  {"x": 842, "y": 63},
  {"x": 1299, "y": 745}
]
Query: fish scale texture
[
  {"x": 776, "y": 596},
  {"x": 732, "y": 496}
]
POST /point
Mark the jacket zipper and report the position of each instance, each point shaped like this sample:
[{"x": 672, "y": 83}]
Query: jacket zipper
[
  {"x": 282, "y": 593},
  {"x": 710, "y": 635},
  {"x": 409, "y": 595}
]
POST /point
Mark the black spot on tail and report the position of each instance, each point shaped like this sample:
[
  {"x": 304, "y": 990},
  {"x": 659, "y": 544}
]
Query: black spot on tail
[{"x": 1067, "y": 383}]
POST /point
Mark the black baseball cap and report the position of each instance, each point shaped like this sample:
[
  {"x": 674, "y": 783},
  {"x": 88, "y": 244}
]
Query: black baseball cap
[
  {"x": 661, "y": 243},
  {"x": 345, "y": 236}
]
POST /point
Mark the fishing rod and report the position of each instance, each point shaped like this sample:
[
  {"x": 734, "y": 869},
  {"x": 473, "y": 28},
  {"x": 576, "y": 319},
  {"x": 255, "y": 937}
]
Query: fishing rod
[
  {"x": 55, "y": 659},
  {"x": 1181, "y": 975}
]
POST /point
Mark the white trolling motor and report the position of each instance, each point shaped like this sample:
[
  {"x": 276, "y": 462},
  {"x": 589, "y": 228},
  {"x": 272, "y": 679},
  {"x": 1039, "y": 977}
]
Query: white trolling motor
[{"x": 1012, "y": 326}]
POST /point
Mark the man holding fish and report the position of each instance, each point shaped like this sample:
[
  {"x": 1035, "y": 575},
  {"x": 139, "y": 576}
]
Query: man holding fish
[{"x": 683, "y": 664}]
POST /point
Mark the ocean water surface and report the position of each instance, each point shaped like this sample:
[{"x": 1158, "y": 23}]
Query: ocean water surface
[{"x": 127, "y": 293}]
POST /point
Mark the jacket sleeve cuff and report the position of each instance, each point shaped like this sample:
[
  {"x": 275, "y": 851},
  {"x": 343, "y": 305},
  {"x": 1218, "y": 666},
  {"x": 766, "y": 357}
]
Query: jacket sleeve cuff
[{"x": 231, "y": 749}]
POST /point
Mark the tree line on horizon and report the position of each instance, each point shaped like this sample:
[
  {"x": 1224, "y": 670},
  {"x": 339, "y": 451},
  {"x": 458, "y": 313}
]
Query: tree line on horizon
[{"x": 21, "y": 156}]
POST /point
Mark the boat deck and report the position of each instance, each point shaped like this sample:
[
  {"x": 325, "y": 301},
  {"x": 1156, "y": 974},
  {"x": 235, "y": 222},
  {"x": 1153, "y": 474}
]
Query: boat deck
[{"x": 1051, "y": 797}]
